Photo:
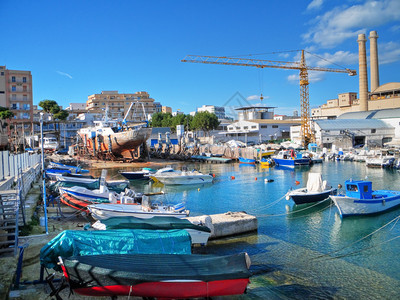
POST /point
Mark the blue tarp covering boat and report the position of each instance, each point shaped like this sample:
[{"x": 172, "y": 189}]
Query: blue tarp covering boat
[{"x": 122, "y": 241}]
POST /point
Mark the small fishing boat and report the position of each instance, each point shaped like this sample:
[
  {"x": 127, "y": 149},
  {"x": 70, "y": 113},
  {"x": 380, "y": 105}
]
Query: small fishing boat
[
  {"x": 360, "y": 199},
  {"x": 78, "y": 203},
  {"x": 266, "y": 162},
  {"x": 158, "y": 275},
  {"x": 136, "y": 175},
  {"x": 52, "y": 173},
  {"x": 73, "y": 169},
  {"x": 199, "y": 234},
  {"x": 291, "y": 158},
  {"x": 145, "y": 210},
  {"x": 316, "y": 190},
  {"x": 243, "y": 160},
  {"x": 174, "y": 177}
]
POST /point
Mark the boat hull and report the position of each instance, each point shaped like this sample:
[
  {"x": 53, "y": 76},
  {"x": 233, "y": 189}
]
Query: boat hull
[
  {"x": 243, "y": 160},
  {"x": 292, "y": 162},
  {"x": 101, "y": 212},
  {"x": 349, "y": 206},
  {"x": 301, "y": 196},
  {"x": 76, "y": 203},
  {"x": 171, "y": 290},
  {"x": 135, "y": 175},
  {"x": 182, "y": 180},
  {"x": 165, "y": 276},
  {"x": 123, "y": 144}
]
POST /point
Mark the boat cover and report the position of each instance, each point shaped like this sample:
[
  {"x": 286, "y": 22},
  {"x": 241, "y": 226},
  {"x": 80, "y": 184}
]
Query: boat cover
[
  {"x": 163, "y": 223},
  {"x": 131, "y": 269},
  {"x": 122, "y": 241},
  {"x": 315, "y": 183}
]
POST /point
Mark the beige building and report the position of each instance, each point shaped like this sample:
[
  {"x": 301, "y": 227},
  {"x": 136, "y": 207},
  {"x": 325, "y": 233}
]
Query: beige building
[
  {"x": 166, "y": 109},
  {"x": 118, "y": 105},
  {"x": 16, "y": 94}
]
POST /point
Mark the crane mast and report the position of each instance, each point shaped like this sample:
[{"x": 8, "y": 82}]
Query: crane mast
[{"x": 307, "y": 134}]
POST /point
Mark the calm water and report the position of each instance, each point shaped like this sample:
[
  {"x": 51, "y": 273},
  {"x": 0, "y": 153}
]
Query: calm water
[{"x": 299, "y": 252}]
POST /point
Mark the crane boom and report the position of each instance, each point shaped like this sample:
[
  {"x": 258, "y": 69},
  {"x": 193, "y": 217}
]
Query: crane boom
[{"x": 307, "y": 135}]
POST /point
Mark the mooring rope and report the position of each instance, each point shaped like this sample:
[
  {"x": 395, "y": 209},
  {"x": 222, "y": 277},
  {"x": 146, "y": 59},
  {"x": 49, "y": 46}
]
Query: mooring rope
[
  {"x": 357, "y": 241},
  {"x": 294, "y": 212}
]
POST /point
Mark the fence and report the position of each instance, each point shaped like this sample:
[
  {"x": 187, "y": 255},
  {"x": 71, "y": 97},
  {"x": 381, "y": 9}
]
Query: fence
[{"x": 10, "y": 163}]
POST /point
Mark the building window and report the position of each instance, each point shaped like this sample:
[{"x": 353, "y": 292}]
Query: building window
[
  {"x": 275, "y": 126},
  {"x": 25, "y": 97},
  {"x": 254, "y": 127},
  {"x": 246, "y": 127},
  {"x": 14, "y": 88},
  {"x": 24, "y": 79},
  {"x": 373, "y": 130},
  {"x": 2, "y": 73},
  {"x": 13, "y": 79},
  {"x": 24, "y": 88},
  {"x": 264, "y": 126},
  {"x": 13, "y": 97}
]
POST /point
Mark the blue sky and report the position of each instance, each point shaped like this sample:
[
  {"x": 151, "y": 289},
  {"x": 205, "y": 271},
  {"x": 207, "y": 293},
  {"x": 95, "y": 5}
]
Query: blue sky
[{"x": 78, "y": 48}]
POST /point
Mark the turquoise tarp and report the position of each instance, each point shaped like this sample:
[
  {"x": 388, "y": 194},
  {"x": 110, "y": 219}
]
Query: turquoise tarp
[{"x": 121, "y": 241}]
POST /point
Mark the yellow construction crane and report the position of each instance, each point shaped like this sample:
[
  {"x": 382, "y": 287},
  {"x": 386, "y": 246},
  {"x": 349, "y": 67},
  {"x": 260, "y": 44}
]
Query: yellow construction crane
[{"x": 307, "y": 135}]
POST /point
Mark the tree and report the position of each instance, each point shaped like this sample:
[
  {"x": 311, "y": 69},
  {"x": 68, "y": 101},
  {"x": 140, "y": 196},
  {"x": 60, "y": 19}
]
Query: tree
[
  {"x": 5, "y": 114},
  {"x": 61, "y": 115},
  {"x": 49, "y": 106},
  {"x": 205, "y": 121}
]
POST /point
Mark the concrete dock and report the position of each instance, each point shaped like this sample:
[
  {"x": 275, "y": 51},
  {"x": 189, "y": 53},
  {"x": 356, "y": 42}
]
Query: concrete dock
[{"x": 230, "y": 223}]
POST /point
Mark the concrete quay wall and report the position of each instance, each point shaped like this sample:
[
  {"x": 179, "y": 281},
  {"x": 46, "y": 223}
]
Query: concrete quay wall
[
  {"x": 29, "y": 176},
  {"x": 227, "y": 224}
]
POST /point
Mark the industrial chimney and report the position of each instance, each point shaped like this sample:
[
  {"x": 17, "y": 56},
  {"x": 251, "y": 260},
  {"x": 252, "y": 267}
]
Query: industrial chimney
[
  {"x": 374, "y": 65},
  {"x": 363, "y": 76}
]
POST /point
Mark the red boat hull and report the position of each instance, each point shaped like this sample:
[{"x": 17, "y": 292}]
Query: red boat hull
[
  {"x": 75, "y": 203},
  {"x": 171, "y": 290}
]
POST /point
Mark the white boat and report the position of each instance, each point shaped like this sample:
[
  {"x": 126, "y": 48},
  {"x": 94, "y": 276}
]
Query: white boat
[
  {"x": 49, "y": 144},
  {"x": 381, "y": 161},
  {"x": 316, "y": 190},
  {"x": 360, "y": 199},
  {"x": 145, "y": 210},
  {"x": 170, "y": 176}
]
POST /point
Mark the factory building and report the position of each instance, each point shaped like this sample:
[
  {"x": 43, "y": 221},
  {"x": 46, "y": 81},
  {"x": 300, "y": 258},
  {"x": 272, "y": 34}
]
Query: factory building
[{"x": 384, "y": 96}]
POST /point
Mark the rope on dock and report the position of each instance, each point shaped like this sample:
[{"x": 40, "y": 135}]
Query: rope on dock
[{"x": 357, "y": 241}]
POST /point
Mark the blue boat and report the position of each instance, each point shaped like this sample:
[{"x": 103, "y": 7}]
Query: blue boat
[
  {"x": 73, "y": 169},
  {"x": 243, "y": 160},
  {"x": 359, "y": 199},
  {"x": 290, "y": 158}
]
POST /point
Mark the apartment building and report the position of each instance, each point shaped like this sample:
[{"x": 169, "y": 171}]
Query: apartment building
[
  {"x": 219, "y": 111},
  {"x": 16, "y": 94},
  {"x": 118, "y": 105}
]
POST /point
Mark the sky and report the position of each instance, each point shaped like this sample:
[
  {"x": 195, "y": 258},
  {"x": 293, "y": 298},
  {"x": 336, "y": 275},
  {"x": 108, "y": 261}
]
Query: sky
[{"x": 78, "y": 48}]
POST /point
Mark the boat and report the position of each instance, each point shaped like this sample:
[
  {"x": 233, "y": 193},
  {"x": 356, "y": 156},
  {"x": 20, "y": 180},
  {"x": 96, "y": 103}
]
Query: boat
[
  {"x": 119, "y": 241},
  {"x": 158, "y": 276},
  {"x": 243, "y": 160},
  {"x": 199, "y": 234},
  {"x": 175, "y": 177},
  {"x": 52, "y": 173},
  {"x": 49, "y": 144},
  {"x": 145, "y": 210},
  {"x": 78, "y": 203},
  {"x": 359, "y": 199},
  {"x": 136, "y": 175},
  {"x": 73, "y": 169},
  {"x": 266, "y": 162},
  {"x": 114, "y": 137},
  {"x": 315, "y": 191},
  {"x": 291, "y": 158},
  {"x": 381, "y": 161}
]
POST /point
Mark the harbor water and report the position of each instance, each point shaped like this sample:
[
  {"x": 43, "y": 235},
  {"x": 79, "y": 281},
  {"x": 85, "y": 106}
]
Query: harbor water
[{"x": 299, "y": 252}]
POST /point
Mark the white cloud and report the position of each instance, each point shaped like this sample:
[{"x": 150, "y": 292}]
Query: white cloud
[
  {"x": 256, "y": 97},
  {"x": 315, "y": 4},
  {"x": 342, "y": 22},
  {"x": 389, "y": 53},
  {"x": 64, "y": 74}
]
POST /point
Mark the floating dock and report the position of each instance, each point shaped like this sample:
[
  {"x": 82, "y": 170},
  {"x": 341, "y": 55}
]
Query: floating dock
[{"x": 227, "y": 224}]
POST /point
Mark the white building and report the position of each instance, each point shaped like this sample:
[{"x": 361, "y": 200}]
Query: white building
[{"x": 219, "y": 111}]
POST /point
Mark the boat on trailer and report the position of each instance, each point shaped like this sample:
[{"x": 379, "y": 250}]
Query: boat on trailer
[
  {"x": 158, "y": 275},
  {"x": 359, "y": 199}
]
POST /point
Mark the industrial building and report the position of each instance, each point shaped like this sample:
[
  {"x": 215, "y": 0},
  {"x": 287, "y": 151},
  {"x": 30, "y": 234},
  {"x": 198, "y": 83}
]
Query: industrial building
[{"x": 377, "y": 97}]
